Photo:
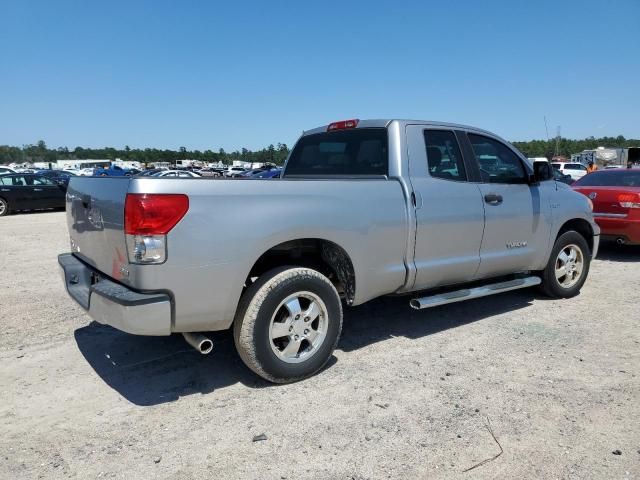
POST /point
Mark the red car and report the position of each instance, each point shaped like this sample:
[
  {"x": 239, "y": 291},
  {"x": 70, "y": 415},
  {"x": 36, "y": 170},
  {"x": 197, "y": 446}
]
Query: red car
[{"x": 615, "y": 195}]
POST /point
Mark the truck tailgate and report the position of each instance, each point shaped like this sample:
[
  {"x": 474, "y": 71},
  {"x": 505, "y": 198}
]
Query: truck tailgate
[{"x": 95, "y": 217}]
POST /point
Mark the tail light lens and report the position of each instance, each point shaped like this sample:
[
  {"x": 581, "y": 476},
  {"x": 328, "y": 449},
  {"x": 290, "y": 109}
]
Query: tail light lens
[
  {"x": 153, "y": 214},
  {"x": 629, "y": 200},
  {"x": 147, "y": 220}
]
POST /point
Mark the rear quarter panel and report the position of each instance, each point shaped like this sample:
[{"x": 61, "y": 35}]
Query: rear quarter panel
[{"x": 231, "y": 223}]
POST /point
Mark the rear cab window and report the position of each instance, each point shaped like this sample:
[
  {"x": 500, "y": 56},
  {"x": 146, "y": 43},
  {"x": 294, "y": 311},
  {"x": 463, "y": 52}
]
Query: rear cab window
[{"x": 353, "y": 152}]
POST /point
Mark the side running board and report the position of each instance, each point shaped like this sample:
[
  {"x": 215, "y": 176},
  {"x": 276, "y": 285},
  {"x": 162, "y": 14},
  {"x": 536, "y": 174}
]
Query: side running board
[{"x": 477, "y": 292}]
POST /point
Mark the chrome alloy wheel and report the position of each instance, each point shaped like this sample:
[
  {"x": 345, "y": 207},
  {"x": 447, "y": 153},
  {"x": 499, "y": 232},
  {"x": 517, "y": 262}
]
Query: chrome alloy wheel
[
  {"x": 3, "y": 207},
  {"x": 298, "y": 327},
  {"x": 569, "y": 266}
]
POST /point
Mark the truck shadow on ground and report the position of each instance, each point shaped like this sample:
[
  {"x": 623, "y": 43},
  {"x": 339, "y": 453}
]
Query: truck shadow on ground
[{"x": 153, "y": 370}]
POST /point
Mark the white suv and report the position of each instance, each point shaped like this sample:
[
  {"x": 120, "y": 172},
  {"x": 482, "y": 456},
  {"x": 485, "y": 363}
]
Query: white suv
[
  {"x": 234, "y": 171},
  {"x": 575, "y": 169}
]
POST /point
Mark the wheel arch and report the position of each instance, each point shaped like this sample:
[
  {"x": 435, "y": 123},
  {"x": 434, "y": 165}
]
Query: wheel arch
[
  {"x": 580, "y": 225},
  {"x": 326, "y": 256}
]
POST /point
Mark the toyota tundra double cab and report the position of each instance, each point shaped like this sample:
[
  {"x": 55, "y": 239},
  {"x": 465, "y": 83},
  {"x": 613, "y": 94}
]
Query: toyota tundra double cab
[{"x": 435, "y": 211}]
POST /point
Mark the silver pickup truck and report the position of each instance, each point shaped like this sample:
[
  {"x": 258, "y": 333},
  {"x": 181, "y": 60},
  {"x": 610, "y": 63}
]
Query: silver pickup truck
[{"x": 363, "y": 209}]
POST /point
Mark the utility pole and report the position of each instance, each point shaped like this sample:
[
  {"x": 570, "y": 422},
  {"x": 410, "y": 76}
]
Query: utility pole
[
  {"x": 546, "y": 129},
  {"x": 557, "y": 141}
]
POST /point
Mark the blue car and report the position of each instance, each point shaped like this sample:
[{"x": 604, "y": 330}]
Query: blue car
[
  {"x": 274, "y": 173},
  {"x": 114, "y": 171}
]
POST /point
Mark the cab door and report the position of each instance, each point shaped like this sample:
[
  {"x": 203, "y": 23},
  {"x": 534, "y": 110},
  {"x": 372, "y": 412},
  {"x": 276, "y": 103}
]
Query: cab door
[
  {"x": 448, "y": 209},
  {"x": 517, "y": 214}
]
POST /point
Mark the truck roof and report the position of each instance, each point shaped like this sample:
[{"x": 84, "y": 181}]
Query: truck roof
[{"x": 384, "y": 122}]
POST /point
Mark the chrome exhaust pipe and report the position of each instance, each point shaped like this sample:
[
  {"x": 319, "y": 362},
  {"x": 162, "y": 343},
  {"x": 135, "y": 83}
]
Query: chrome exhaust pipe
[
  {"x": 202, "y": 344},
  {"x": 620, "y": 241}
]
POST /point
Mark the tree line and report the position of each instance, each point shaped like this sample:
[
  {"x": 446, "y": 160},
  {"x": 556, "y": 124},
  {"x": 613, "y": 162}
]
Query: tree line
[
  {"x": 39, "y": 152},
  {"x": 566, "y": 146}
]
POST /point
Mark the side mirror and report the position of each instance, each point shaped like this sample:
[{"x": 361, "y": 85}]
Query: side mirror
[{"x": 542, "y": 171}]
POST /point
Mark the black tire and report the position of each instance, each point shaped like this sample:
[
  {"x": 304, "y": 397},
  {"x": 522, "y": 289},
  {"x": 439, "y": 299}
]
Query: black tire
[
  {"x": 4, "y": 207},
  {"x": 551, "y": 286},
  {"x": 262, "y": 301}
]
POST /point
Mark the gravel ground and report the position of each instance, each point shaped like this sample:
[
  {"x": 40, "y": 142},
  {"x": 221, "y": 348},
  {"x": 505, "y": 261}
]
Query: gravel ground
[{"x": 408, "y": 394}]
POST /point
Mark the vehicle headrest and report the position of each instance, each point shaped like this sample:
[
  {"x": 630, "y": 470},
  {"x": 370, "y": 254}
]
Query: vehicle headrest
[{"x": 434, "y": 156}]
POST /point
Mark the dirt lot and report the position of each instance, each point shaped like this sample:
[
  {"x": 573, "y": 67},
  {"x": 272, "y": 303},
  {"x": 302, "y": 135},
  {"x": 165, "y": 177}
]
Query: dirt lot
[{"x": 407, "y": 395}]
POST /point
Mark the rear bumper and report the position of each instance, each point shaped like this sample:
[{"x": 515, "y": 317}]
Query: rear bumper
[
  {"x": 113, "y": 304},
  {"x": 613, "y": 228}
]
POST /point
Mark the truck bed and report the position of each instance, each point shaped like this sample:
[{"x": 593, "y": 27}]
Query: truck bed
[{"x": 229, "y": 225}]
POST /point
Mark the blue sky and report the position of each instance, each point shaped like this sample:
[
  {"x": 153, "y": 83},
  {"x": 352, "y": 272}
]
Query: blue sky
[{"x": 245, "y": 74}]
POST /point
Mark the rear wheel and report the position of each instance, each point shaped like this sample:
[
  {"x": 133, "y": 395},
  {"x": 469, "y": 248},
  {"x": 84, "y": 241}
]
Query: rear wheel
[
  {"x": 4, "y": 207},
  {"x": 568, "y": 266},
  {"x": 288, "y": 324}
]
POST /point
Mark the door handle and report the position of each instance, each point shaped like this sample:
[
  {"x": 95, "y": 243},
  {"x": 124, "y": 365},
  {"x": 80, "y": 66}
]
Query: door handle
[
  {"x": 493, "y": 199},
  {"x": 37, "y": 189}
]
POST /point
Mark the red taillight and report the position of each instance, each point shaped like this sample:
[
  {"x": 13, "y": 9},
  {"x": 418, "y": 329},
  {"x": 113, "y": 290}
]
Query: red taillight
[
  {"x": 153, "y": 214},
  {"x": 629, "y": 200},
  {"x": 353, "y": 123}
]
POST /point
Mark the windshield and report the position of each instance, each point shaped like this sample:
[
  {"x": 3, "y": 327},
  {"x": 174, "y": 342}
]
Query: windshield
[
  {"x": 611, "y": 178},
  {"x": 361, "y": 151}
]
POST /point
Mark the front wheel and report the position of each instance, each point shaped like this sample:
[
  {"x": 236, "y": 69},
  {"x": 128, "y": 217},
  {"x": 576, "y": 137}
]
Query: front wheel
[
  {"x": 288, "y": 324},
  {"x": 568, "y": 266}
]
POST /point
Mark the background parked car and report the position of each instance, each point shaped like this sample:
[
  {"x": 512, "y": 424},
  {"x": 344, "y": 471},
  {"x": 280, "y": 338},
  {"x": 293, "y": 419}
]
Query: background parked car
[
  {"x": 615, "y": 194},
  {"x": 115, "y": 171},
  {"x": 211, "y": 172},
  {"x": 176, "y": 173},
  {"x": 234, "y": 171},
  {"x": 5, "y": 170},
  {"x": 250, "y": 173},
  {"x": 61, "y": 177},
  {"x": 25, "y": 191},
  {"x": 575, "y": 169},
  {"x": 275, "y": 173},
  {"x": 150, "y": 172}
]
